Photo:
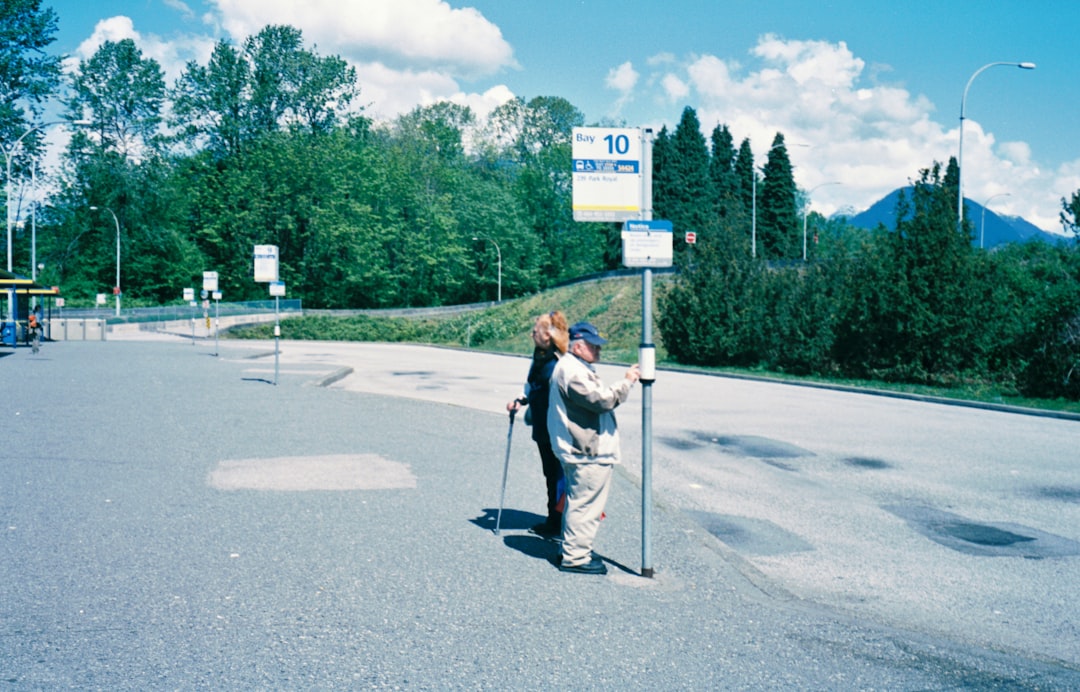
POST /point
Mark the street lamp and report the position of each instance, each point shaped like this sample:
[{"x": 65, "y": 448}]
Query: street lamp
[
  {"x": 982, "y": 224},
  {"x": 9, "y": 153},
  {"x": 960, "y": 150},
  {"x": 497, "y": 250},
  {"x": 116, "y": 290},
  {"x": 806, "y": 213}
]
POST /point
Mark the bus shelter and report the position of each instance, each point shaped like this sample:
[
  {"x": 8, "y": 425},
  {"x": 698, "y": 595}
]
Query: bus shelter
[{"x": 19, "y": 294}]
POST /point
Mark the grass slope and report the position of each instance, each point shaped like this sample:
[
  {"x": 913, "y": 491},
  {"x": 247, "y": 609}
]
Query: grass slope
[{"x": 613, "y": 305}]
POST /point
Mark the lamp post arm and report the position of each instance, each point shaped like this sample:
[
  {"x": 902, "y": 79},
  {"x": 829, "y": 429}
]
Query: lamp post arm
[{"x": 960, "y": 148}]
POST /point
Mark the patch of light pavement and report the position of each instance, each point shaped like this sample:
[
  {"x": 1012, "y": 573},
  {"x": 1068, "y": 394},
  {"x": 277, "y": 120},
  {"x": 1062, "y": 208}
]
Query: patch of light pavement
[{"x": 302, "y": 473}]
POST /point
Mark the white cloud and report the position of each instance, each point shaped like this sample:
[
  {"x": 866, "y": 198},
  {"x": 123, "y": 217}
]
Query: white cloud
[
  {"x": 869, "y": 135},
  {"x": 401, "y": 34},
  {"x": 171, "y": 54},
  {"x": 675, "y": 88},
  {"x": 181, "y": 7},
  {"x": 622, "y": 78}
]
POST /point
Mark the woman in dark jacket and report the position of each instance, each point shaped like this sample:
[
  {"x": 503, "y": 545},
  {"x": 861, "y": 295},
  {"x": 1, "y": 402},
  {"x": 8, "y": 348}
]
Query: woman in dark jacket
[{"x": 550, "y": 336}]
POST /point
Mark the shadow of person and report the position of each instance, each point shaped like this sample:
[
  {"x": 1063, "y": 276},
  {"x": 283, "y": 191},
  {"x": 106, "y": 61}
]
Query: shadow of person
[
  {"x": 512, "y": 519},
  {"x": 534, "y": 546}
]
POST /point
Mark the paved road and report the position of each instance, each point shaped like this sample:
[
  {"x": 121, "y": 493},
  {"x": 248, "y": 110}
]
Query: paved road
[{"x": 177, "y": 521}]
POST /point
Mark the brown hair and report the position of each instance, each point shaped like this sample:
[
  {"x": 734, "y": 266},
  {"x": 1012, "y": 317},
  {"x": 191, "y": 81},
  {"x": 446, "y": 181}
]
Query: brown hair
[{"x": 555, "y": 324}]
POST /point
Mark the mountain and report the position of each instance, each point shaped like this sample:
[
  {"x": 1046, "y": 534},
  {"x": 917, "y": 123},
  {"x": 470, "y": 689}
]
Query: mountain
[{"x": 994, "y": 229}]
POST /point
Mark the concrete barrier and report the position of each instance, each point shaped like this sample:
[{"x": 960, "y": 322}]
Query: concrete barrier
[{"x": 75, "y": 329}]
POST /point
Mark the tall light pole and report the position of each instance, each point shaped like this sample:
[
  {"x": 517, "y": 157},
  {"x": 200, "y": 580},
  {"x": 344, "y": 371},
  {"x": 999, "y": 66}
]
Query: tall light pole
[
  {"x": 982, "y": 224},
  {"x": 116, "y": 289},
  {"x": 497, "y": 250},
  {"x": 9, "y": 154},
  {"x": 960, "y": 150},
  {"x": 806, "y": 213}
]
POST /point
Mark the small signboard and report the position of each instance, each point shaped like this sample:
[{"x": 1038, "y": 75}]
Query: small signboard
[
  {"x": 691, "y": 237},
  {"x": 189, "y": 295},
  {"x": 647, "y": 244},
  {"x": 277, "y": 288},
  {"x": 266, "y": 263},
  {"x": 101, "y": 298},
  {"x": 210, "y": 281}
]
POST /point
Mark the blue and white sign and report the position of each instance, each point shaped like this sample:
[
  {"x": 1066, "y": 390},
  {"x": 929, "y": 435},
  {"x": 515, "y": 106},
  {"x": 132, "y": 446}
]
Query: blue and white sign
[
  {"x": 607, "y": 183},
  {"x": 648, "y": 243}
]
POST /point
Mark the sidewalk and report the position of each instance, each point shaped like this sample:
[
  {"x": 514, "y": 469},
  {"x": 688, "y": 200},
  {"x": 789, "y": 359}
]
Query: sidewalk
[{"x": 173, "y": 520}]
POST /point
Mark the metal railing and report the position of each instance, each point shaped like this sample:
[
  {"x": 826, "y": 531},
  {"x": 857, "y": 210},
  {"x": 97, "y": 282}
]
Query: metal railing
[{"x": 168, "y": 313}]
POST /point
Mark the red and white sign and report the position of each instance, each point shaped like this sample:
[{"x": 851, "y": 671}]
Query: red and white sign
[{"x": 691, "y": 238}]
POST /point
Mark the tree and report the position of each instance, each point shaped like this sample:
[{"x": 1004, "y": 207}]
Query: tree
[
  {"x": 910, "y": 312},
  {"x": 27, "y": 74},
  {"x": 688, "y": 196},
  {"x": 528, "y": 146},
  {"x": 291, "y": 85},
  {"x": 1070, "y": 214},
  {"x": 778, "y": 219},
  {"x": 722, "y": 176},
  {"x": 210, "y": 104},
  {"x": 122, "y": 94}
]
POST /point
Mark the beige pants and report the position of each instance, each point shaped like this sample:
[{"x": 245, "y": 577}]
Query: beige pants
[{"x": 587, "y": 487}]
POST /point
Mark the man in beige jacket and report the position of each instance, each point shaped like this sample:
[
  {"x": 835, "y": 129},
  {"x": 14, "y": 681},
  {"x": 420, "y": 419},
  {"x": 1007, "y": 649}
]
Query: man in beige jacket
[{"x": 585, "y": 437}]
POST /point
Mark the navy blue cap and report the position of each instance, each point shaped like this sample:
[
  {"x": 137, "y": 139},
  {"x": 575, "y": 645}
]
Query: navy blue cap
[{"x": 588, "y": 333}]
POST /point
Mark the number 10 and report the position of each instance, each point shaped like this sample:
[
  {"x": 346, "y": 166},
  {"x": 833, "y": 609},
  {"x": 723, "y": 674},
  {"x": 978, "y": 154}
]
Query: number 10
[{"x": 619, "y": 144}]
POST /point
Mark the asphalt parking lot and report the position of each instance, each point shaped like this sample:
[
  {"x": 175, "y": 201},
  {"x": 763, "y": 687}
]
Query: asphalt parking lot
[{"x": 174, "y": 519}]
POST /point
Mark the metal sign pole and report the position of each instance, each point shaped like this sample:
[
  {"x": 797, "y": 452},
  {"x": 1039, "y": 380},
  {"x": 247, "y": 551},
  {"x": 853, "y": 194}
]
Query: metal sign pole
[
  {"x": 647, "y": 361},
  {"x": 277, "y": 334},
  {"x": 217, "y": 322}
]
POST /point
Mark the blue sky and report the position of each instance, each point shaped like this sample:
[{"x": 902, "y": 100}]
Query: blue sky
[{"x": 871, "y": 89}]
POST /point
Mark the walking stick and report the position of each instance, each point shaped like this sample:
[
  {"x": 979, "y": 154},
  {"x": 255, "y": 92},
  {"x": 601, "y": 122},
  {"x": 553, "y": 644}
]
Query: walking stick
[{"x": 506, "y": 465}]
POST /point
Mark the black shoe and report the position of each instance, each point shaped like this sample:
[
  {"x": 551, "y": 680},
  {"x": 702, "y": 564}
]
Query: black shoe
[
  {"x": 594, "y": 566},
  {"x": 546, "y": 529}
]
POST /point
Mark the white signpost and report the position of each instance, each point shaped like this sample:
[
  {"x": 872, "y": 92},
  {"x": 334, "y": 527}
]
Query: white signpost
[
  {"x": 607, "y": 173},
  {"x": 210, "y": 285},
  {"x": 266, "y": 270}
]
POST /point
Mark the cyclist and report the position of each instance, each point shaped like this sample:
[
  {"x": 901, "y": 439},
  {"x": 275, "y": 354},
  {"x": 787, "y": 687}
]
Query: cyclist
[{"x": 33, "y": 330}]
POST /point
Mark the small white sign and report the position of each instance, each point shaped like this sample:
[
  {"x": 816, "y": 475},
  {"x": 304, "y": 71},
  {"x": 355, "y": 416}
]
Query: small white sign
[
  {"x": 277, "y": 288},
  {"x": 216, "y": 295},
  {"x": 189, "y": 295},
  {"x": 266, "y": 263},
  {"x": 648, "y": 244},
  {"x": 101, "y": 298},
  {"x": 210, "y": 281}
]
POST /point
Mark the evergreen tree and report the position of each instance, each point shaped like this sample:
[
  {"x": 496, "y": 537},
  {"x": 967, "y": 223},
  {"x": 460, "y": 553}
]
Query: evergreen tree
[
  {"x": 722, "y": 176},
  {"x": 690, "y": 201},
  {"x": 744, "y": 181},
  {"x": 1070, "y": 214},
  {"x": 663, "y": 153},
  {"x": 777, "y": 216}
]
